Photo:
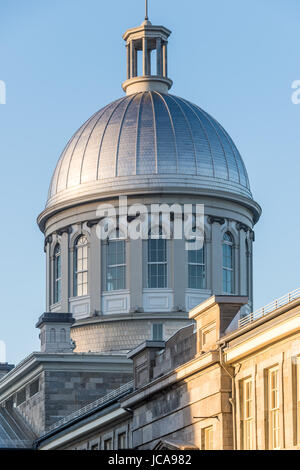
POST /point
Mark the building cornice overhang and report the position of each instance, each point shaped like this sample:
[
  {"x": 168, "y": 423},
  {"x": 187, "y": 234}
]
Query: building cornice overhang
[
  {"x": 146, "y": 29},
  {"x": 34, "y": 364},
  {"x": 273, "y": 327},
  {"x": 130, "y": 316},
  {"x": 74, "y": 199}
]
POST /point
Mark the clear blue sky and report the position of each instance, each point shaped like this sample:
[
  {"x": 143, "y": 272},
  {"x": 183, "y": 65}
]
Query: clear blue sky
[{"x": 64, "y": 59}]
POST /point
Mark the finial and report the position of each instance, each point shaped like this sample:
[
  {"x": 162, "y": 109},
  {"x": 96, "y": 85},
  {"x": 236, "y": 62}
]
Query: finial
[{"x": 146, "y": 8}]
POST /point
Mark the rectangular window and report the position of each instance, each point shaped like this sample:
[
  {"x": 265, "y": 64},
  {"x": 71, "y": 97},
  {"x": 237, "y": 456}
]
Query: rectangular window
[
  {"x": 34, "y": 388},
  {"x": 21, "y": 397},
  {"x": 273, "y": 408},
  {"x": 94, "y": 447},
  {"x": 207, "y": 438},
  {"x": 196, "y": 269},
  {"x": 157, "y": 263},
  {"x": 247, "y": 414},
  {"x": 81, "y": 267},
  {"x": 122, "y": 441},
  {"x": 116, "y": 265},
  {"x": 108, "y": 444},
  {"x": 157, "y": 332}
]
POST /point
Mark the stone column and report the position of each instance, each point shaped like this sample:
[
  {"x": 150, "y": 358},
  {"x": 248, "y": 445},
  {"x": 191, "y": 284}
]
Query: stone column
[
  {"x": 165, "y": 59},
  {"x": 158, "y": 57},
  {"x": 65, "y": 272},
  {"x": 243, "y": 275},
  {"x": 145, "y": 57},
  {"x": 135, "y": 273},
  {"x": 216, "y": 255},
  {"x": 149, "y": 61},
  {"x": 135, "y": 65},
  {"x": 48, "y": 273},
  {"x": 128, "y": 60},
  {"x": 95, "y": 272},
  {"x": 179, "y": 284},
  {"x": 132, "y": 59}
]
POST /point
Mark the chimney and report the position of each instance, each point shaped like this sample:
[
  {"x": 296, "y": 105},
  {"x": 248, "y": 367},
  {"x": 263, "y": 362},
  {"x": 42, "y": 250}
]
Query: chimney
[{"x": 55, "y": 332}]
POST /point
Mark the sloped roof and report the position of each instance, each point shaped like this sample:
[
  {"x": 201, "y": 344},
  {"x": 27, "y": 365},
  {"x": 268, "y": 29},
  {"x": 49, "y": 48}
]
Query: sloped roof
[{"x": 14, "y": 432}]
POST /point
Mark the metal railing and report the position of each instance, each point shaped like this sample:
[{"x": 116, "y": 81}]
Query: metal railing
[
  {"x": 251, "y": 317},
  {"x": 91, "y": 406}
]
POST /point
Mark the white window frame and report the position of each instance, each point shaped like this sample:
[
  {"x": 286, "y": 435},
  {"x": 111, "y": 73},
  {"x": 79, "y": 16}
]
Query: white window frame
[
  {"x": 83, "y": 285},
  {"x": 247, "y": 413},
  {"x": 274, "y": 409},
  {"x": 57, "y": 284},
  {"x": 208, "y": 438},
  {"x": 203, "y": 265},
  {"x": 115, "y": 237},
  {"x": 164, "y": 263}
]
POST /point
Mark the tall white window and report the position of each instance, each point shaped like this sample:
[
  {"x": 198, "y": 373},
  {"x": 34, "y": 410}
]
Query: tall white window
[
  {"x": 247, "y": 414},
  {"x": 228, "y": 264},
  {"x": 273, "y": 408},
  {"x": 81, "y": 267},
  {"x": 196, "y": 269},
  {"x": 157, "y": 262},
  {"x": 116, "y": 262},
  {"x": 208, "y": 438},
  {"x": 57, "y": 274}
]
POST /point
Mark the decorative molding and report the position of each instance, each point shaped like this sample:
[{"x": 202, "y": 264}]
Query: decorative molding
[
  {"x": 213, "y": 219},
  {"x": 49, "y": 240},
  {"x": 158, "y": 300},
  {"x": 92, "y": 223},
  {"x": 252, "y": 235},
  {"x": 115, "y": 302},
  {"x": 61, "y": 231},
  {"x": 240, "y": 226}
]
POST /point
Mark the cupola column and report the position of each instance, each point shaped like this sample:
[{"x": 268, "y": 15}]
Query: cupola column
[
  {"x": 145, "y": 57},
  {"x": 132, "y": 60},
  {"x": 159, "y": 57},
  {"x": 165, "y": 59},
  {"x": 128, "y": 61}
]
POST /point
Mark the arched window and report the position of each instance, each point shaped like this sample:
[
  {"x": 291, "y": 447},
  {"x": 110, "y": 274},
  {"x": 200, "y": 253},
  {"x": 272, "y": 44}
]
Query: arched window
[
  {"x": 116, "y": 262},
  {"x": 52, "y": 335},
  {"x": 81, "y": 267},
  {"x": 157, "y": 262},
  {"x": 228, "y": 264},
  {"x": 196, "y": 268},
  {"x": 57, "y": 274}
]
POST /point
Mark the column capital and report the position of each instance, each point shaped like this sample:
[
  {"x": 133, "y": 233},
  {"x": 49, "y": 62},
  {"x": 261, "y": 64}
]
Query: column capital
[
  {"x": 67, "y": 230},
  {"x": 214, "y": 219},
  {"x": 240, "y": 226}
]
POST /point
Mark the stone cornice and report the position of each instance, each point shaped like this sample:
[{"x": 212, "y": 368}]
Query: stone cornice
[{"x": 147, "y": 191}]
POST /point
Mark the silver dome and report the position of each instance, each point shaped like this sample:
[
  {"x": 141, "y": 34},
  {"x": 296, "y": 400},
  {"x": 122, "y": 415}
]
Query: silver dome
[{"x": 148, "y": 141}]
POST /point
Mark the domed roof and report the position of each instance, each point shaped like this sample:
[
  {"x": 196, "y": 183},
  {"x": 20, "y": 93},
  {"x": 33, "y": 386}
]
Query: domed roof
[{"x": 148, "y": 141}]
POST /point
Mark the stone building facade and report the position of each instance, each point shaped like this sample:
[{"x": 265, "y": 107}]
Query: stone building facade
[{"x": 193, "y": 392}]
